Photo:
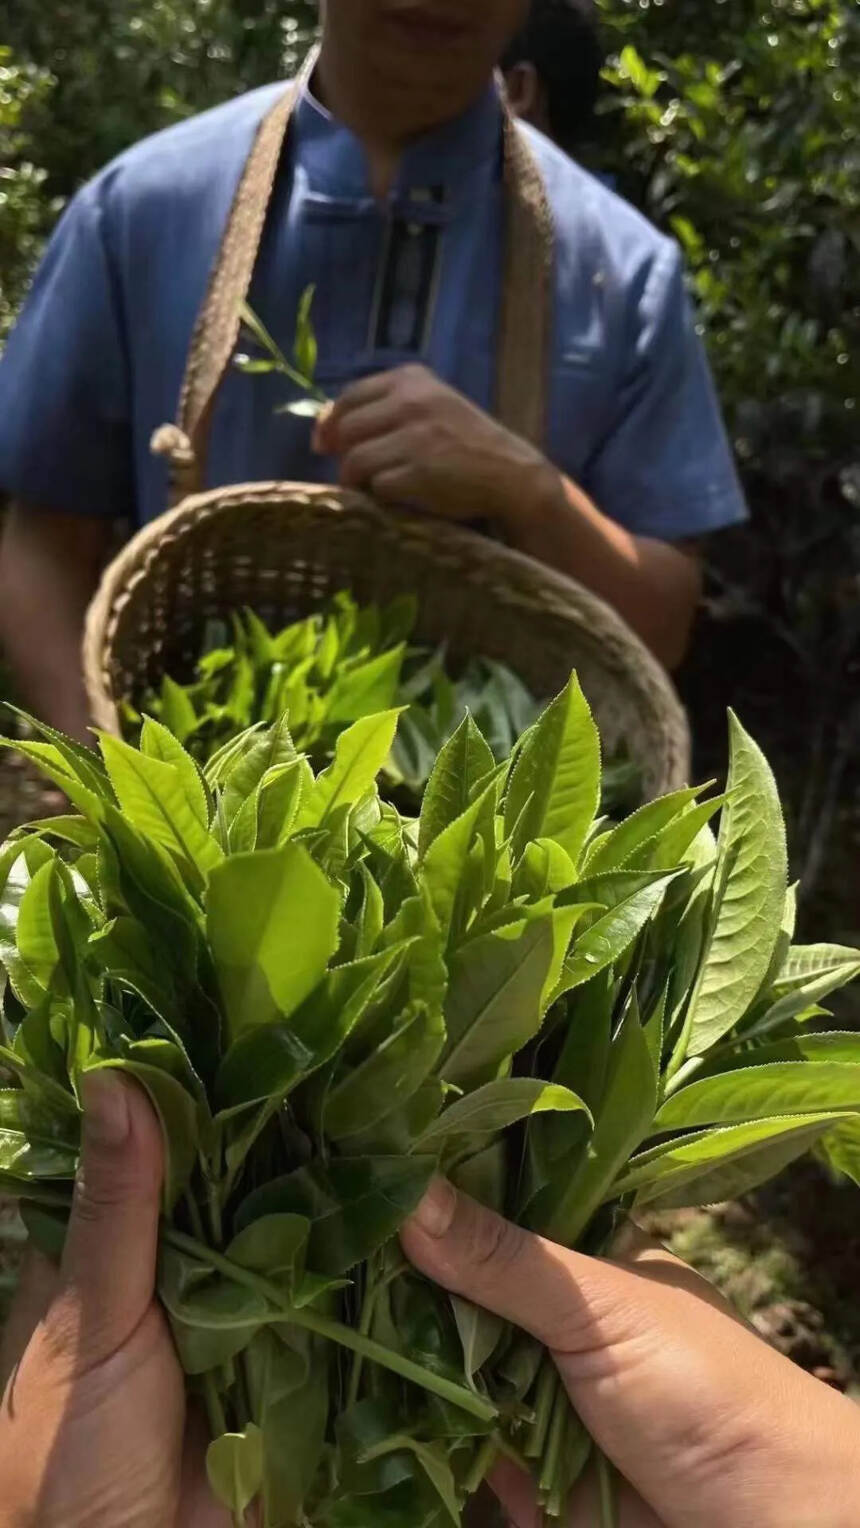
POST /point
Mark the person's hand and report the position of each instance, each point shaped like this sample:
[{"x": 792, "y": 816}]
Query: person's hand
[
  {"x": 707, "y": 1426},
  {"x": 411, "y": 440},
  {"x": 93, "y": 1426}
]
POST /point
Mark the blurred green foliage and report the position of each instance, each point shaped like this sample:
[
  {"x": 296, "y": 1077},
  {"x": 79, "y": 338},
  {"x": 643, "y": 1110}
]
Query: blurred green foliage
[
  {"x": 82, "y": 79},
  {"x": 736, "y": 128},
  {"x": 734, "y": 125}
]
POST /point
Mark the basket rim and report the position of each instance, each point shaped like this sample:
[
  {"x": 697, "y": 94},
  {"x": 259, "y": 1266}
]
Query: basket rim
[{"x": 516, "y": 577}]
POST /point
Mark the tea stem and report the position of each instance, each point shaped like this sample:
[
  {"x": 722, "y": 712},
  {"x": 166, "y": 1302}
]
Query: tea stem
[
  {"x": 483, "y": 1463},
  {"x": 335, "y": 1331}
]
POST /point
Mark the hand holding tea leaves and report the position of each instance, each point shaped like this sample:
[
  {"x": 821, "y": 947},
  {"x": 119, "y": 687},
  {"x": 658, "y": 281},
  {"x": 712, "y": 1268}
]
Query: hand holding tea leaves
[
  {"x": 328, "y": 1004},
  {"x": 413, "y": 441},
  {"x": 85, "y": 1462},
  {"x": 698, "y": 1417},
  {"x": 93, "y": 1421}
]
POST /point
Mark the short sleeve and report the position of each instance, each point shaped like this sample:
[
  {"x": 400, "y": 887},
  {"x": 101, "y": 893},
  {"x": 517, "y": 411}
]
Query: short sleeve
[
  {"x": 64, "y": 394},
  {"x": 665, "y": 467}
]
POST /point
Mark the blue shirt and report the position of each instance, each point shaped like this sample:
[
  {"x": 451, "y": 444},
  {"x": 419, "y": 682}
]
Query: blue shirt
[{"x": 96, "y": 360}]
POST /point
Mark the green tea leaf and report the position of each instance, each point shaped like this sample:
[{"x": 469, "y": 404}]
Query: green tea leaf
[
  {"x": 611, "y": 936},
  {"x": 840, "y": 1148},
  {"x": 272, "y": 923},
  {"x": 234, "y": 1465},
  {"x": 157, "y": 743},
  {"x": 28, "y": 1156},
  {"x": 359, "y": 755},
  {"x": 480, "y": 1333},
  {"x": 306, "y": 346},
  {"x": 674, "y": 845},
  {"x": 499, "y": 988},
  {"x": 281, "y": 793},
  {"x": 544, "y": 870},
  {"x": 581, "y": 1067},
  {"x": 496, "y": 1106},
  {"x": 809, "y": 962},
  {"x": 177, "y": 709},
  {"x": 51, "y": 763},
  {"x": 433, "y": 1463},
  {"x": 212, "y": 1319},
  {"x": 564, "y": 1208},
  {"x": 836, "y": 1045},
  {"x": 809, "y": 974},
  {"x": 465, "y": 759},
  {"x": 294, "y": 1436},
  {"x": 366, "y": 689},
  {"x": 617, "y": 848},
  {"x": 762, "y": 1092},
  {"x": 714, "y": 1165},
  {"x": 241, "y": 774},
  {"x": 444, "y": 866},
  {"x": 749, "y": 895},
  {"x": 274, "y": 1246},
  {"x": 153, "y": 796},
  {"x": 371, "y": 919},
  {"x": 396, "y": 1133},
  {"x": 554, "y": 790},
  {"x": 124, "y": 951},
  {"x": 355, "y": 1205},
  {"x": 266, "y": 1062},
  {"x": 82, "y": 762},
  {"x": 387, "y": 1078},
  {"x": 38, "y": 954}
]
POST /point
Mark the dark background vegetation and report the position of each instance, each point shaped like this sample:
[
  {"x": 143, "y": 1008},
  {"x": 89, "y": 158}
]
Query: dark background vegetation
[{"x": 735, "y": 124}]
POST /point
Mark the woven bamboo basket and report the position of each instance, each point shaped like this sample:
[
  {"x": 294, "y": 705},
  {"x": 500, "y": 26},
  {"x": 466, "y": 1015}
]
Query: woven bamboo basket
[{"x": 284, "y": 549}]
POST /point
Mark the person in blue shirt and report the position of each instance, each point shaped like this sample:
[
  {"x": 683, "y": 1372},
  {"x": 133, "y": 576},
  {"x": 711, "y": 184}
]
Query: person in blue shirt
[{"x": 389, "y": 199}]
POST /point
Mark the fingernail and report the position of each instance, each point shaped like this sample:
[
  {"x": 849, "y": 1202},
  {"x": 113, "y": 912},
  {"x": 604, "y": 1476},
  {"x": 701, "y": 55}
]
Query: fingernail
[
  {"x": 106, "y": 1118},
  {"x": 435, "y": 1213}
]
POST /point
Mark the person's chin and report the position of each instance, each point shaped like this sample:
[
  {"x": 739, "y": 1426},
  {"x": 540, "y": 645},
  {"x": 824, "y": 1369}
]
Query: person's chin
[{"x": 426, "y": 32}]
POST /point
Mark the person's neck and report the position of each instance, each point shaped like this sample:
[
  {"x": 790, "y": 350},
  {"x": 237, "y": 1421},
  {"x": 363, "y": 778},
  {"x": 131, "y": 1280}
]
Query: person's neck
[{"x": 355, "y": 104}]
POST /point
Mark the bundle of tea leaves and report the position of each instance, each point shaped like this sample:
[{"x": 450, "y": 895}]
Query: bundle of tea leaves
[{"x": 327, "y": 1003}]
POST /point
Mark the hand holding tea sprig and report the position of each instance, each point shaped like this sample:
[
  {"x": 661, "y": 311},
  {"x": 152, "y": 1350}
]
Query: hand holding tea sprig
[
  {"x": 93, "y": 1426},
  {"x": 705, "y": 1424},
  {"x": 413, "y": 441}
]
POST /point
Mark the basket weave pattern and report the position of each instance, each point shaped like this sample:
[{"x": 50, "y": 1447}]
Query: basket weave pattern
[{"x": 285, "y": 549}]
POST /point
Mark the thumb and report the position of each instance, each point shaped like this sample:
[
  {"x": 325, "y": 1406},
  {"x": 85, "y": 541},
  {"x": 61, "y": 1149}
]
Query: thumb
[
  {"x": 555, "y": 1295},
  {"x": 112, "y": 1242}
]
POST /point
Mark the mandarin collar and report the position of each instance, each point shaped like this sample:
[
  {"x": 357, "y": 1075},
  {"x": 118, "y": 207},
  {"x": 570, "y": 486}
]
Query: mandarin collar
[{"x": 334, "y": 160}]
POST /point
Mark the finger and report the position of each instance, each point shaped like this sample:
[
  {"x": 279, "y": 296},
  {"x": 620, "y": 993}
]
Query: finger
[
  {"x": 37, "y": 1285},
  {"x": 528, "y": 1281},
  {"x": 397, "y": 485},
  {"x": 361, "y": 466},
  {"x": 357, "y": 396},
  {"x": 362, "y": 424},
  {"x": 516, "y": 1492},
  {"x": 110, "y": 1254}
]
